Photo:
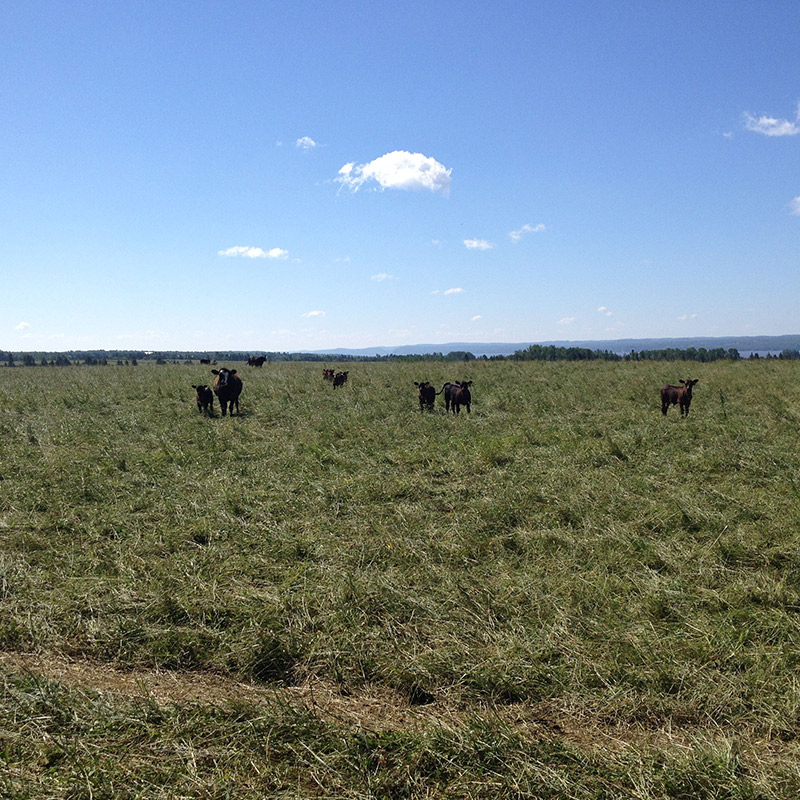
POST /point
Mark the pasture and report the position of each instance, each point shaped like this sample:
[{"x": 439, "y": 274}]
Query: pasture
[{"x": 562, "y": 594}]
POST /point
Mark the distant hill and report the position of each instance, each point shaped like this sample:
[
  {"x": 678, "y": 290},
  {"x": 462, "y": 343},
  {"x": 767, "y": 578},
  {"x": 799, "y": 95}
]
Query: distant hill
[{"x": 744, "y": 344}]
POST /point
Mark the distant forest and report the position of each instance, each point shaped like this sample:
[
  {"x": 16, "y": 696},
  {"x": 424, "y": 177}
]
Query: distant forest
[{"x": 535, "y": 352}]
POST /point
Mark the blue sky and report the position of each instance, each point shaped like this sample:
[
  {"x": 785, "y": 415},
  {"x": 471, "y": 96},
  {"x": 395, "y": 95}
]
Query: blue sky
[{"x": 314, "y": 175}]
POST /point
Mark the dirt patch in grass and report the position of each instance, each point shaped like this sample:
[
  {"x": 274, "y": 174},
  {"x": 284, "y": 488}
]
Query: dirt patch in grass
[{"x": 376, "y": 708}]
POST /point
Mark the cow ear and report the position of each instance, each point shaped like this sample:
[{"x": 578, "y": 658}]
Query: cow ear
[
  {"x": 682, "y": 381},
  {"x": 215, "y": 372},
  {"x": 415, "y": 383},
  {"x": 695, "y": 381},
  {"x": 233, "y": 372}
]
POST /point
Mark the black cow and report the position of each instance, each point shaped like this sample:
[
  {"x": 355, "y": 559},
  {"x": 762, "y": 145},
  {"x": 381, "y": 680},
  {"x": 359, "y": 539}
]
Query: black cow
[
  {"x": 677, "y": 395},
  {"x": 456, "y": 395},
  {"x": 227, "y": 388},
  {"x": 427, "y": 395},
  {"x": 205, "y": 398},
  {"x": 256, "y": 361},
  {"x": 339, "y": 379}
]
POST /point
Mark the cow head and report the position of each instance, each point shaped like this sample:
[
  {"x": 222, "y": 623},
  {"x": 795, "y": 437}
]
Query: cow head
[
  {"x": 688, "y": 384},
  {"x": 223, "y": 375}
]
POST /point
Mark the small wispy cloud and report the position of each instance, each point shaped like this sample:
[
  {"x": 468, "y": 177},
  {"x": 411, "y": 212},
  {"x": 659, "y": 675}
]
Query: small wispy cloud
[
  {"x": 566, "y": 320},
  {"x": 771, "y": 126},
  {"x": 794, "y": 206},
  {"x": 22, "y": 326},
  {"x": 518, "y": 234},
  {"x": 604, "y": 310},
  {"x": 476, "y": 317},
  {"x": 314, "y": 314},
  {"x": 253, "y": 252},
  {"x": 381, "y": 276},
  {"x": 305, "y": 143},
  {"x": 454, "y": 291},
  {"x": 478, "y": 244},
  {"x": 397, "y": 170},
  {"x": 686, "y": 317}
]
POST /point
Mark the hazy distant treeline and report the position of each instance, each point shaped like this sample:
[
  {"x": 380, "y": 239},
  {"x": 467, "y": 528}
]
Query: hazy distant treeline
[{"x": 535, "y": 352}]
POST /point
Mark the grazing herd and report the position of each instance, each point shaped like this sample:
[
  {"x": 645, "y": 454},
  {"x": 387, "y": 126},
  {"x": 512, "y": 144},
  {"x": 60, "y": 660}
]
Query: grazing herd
[{"x": 228, "y": 386}]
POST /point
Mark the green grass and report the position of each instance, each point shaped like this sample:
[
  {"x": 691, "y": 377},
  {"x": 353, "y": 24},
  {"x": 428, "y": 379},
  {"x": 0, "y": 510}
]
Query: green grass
[{"x": 562, "y": 547}]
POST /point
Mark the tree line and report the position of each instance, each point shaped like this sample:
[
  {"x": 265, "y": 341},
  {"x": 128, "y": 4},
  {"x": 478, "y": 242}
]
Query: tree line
[{"x": 535, "y": 352}]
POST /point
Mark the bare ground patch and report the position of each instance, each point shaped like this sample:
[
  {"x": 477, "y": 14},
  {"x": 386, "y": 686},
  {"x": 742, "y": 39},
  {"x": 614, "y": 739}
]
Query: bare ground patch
[{"x": 381, "y": 709}]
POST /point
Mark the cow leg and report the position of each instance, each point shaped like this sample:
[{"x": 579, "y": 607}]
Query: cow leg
[{"x": 223, "y": 404}]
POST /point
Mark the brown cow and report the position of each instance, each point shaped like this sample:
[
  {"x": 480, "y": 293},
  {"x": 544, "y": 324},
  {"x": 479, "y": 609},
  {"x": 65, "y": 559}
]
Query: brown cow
[
  {"x": 205, "y": 399},
  {"x": 456, "y": 395},
  {"x": 327, "y": 374},
  {"x": 677, "y": 395},
  {"x": 256, "y": 361},
  {"x": 427, "y": 395},
  {"x": 339, "y": 379},
  {"x": 227, "y": 388}
]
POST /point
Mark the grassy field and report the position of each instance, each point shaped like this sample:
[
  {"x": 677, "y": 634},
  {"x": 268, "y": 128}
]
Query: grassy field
[{"x": 563, "y": 594}]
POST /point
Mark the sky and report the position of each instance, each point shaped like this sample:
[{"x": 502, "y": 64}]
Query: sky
[{"x": 275, "y": 176}]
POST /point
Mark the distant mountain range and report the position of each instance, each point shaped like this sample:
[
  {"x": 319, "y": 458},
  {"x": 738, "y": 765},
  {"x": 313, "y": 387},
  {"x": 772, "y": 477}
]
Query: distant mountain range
[{"x": 744, "y": 344}]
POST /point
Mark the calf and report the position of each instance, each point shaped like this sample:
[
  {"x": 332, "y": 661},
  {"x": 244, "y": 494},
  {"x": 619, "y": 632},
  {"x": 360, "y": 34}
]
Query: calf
[
  {"x": 227, "y": 388},
  {"x": 327, "y": 374},
  {"x": 205, "y": 399},
  {"x": 456, "y": 395},
  {"x": 427, "y": 395},
  {"x": 339, "y": 379},
  {"x": 677, "y": 395}
]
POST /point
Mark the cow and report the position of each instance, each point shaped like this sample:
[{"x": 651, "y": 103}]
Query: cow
[
  {"x": 205, "y": 399},
  {"x": 427, "y": 395},
  {"x": 256, "y": 361},
  {"x": 227, "y": 388},
  {"x": 339, "y": 379},
  {"x": 456, "y": 395},
  {"x": 327, "y": 374},
  {"x": 677, "y": 395},
  {"x": 205, "y": 360}
]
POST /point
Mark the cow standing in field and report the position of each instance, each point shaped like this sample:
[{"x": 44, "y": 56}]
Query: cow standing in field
[
  {"x": 677, "y": 395},
  {"x": 327, "y": 374},
  {"x": 456, "y": 395},
  {"x": 340, "y": 379},
  {"x": 256, "y": 361},
  {"x": 205, "y": 399},
  {"x": 227, "y": 388},
  {"x": 427, "y": 395}
]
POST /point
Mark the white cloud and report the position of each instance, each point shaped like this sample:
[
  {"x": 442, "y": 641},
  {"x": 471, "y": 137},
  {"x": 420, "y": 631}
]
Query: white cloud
[
  {"x": 517, "y": 235},
  {"x": 398, "y": 170},
  {"x": 305, "y": 143},
  {"x": 477, "y": 317},
  {"x": 794, "y": 206},
  {"x": 382, "y": 276},
  {"x": 770, "y": 126},
  {"x": 254, "y": 252},
  {"x": 566, "y": 321},
  {"x": 314, "y": 314},
  {"x": 22, "y": 326},
  {"x": 685, "y": 317},
  {"x": 454, "y": 291},
  {"x": 477, "y": 244},
  {"x": 604, "y": 310}
]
